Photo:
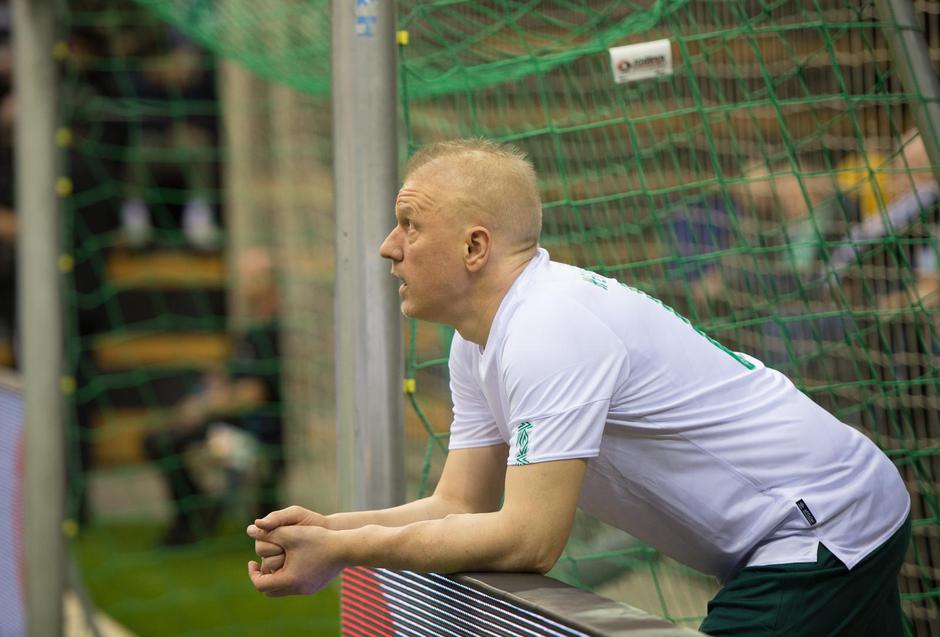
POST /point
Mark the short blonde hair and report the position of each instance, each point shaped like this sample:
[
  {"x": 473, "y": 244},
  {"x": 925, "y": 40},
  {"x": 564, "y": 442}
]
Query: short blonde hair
[{"x": 485, "y": 182}]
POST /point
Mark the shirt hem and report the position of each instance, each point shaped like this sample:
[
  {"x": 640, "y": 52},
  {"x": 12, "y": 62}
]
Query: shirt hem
[
  {"x": 874, "y": 546},
  {"x": 476, "y": 443},
  {"x": 568, "y": 455},
  {"x": 819, "y": 538}
]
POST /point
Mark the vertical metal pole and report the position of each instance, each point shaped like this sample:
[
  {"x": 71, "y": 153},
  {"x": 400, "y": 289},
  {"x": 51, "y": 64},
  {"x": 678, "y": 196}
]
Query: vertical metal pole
[
  {"x": 912, "y": 61},
  {"x": 40, "y": 311},
  {"x": 370, "y": 463}
]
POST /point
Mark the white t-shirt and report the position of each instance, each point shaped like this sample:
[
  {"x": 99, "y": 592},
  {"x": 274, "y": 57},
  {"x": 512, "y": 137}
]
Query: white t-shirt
[{"x": 702, "y": 453}]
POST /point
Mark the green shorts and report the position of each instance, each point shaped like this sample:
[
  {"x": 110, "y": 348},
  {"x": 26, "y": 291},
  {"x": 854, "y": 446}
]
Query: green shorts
[{"x": 815, "y": 600}]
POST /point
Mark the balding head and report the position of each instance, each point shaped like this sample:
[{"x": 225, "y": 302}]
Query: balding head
[
  {"x": 467, "y": 224},
  {"x": 482, "y": 182}
]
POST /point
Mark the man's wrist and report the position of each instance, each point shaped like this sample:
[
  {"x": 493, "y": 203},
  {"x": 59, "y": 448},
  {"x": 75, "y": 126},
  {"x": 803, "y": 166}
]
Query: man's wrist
[
  {"x": 363, "y": 545},
  {"x": 329, "y": 522}
]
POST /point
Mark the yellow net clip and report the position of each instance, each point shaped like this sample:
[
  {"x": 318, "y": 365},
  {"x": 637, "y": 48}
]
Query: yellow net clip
[
  {"x": 402, "y": 38},
  {"x": 63, "y": 186},
  {"x": 67, "y": 385},
  {"x": 410, "y": 385},
  {"x": 60, "y": 50},
  {"x": 70, "y": 528},
  {"x": 63, "y": 137},
  {"x": 66, "y": 263}
]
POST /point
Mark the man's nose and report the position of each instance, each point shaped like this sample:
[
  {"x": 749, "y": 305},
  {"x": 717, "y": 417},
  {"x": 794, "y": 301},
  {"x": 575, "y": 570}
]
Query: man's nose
[{"x": 390, "y": 248}]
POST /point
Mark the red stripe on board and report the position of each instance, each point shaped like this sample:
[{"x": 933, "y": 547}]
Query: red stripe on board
[
  {"x": 363, "y": 605},
  {"x": 352, "y": 616},
  {"x": 349, "y": 631},
  {"x": 361, "y": 585},
  {"x": 372, "y": 583},
  {"x": 367, "y": 608}
]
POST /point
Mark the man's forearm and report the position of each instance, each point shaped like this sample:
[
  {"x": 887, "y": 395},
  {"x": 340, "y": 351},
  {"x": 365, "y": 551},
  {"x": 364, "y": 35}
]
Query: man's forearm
[
  {"x": 431, "y": 508},
  {"x": 527, "y": 533},
  {"x": 463, "y": 542}
]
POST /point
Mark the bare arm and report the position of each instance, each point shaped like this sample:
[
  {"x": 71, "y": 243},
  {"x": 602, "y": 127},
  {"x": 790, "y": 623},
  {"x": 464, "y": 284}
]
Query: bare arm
[
  {"x": 471, "y": 482},
  {"x": 527, "y": 534}
]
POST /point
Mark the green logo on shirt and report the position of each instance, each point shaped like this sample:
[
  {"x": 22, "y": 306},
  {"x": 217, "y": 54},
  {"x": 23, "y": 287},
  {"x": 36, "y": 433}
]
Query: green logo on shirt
[
  {"x": 601, "y": 282},
  {"x": 594, "y": 279},
  {"x": 748, "y": 364},
  {"x": 522, "y": 442}
]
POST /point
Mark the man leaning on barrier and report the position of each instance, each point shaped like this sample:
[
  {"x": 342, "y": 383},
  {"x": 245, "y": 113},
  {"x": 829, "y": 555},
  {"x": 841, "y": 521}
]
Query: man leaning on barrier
[{"x": 571, "y": 389}]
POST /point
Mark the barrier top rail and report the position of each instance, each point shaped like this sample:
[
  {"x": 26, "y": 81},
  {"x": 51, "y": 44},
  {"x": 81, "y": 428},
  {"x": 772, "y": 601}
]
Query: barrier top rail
[{"x": 385, "y": 601}]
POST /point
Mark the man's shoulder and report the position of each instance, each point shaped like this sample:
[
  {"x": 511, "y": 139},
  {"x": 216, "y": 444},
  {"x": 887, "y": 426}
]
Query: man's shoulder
[
  {"x": 563, "y": 292},
  {"x": 556, "y": 317}
]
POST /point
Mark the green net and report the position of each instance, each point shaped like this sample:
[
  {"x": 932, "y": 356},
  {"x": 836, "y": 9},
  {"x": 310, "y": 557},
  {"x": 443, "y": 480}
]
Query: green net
[
  {"x": 199, "y": 245},
  {"x": 763, "y": 188},
  {"x": 769, "y": 188},
  {"x": 283, "y": 40}
]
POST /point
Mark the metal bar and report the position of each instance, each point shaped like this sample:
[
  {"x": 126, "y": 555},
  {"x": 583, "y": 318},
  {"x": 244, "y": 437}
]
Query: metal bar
[
  {"x": 40, "y": 311},
  {"x": 912, "y": 60},
  {"x": 77, "y": 585},
  {"x": 369, "y": 376}
]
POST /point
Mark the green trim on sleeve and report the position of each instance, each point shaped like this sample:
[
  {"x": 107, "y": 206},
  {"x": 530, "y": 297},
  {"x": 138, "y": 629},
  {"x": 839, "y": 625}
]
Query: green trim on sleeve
[{"x": 522, "y": 442}]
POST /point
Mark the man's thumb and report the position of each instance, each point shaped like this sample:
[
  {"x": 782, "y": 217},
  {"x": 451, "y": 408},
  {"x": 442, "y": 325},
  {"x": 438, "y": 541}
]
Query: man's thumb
[{"x": 282, "y": 517}]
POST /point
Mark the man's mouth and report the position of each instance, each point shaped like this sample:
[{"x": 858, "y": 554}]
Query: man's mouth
[{"x": 402, "y": 286}]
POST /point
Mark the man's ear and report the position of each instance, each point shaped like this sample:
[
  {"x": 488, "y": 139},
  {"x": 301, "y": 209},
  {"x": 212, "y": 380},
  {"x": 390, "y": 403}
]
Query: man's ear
[{"x": 479, "y": 245}]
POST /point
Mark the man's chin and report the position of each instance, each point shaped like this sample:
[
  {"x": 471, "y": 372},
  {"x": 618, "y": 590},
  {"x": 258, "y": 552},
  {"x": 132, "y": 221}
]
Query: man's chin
[{"x": 409, "y": 311}]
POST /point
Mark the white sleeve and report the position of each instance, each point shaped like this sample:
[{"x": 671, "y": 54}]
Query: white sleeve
[
  {"x": 473, "y": 424},
  {"x": 561, "y": 369}
]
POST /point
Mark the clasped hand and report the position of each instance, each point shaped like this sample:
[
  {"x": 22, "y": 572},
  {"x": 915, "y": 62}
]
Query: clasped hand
[{"x": 297, "y": 556}]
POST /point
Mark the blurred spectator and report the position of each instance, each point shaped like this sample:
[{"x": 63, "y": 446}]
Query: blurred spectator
[
  {"x": 793, "y": 251},
  {"x": 912, "y": 217},
  {"x": 696, "y": 228},
  {"x": 916, "y": 192},
  {"x": 802, "y": 212},
  {"x": 172, "y": 138},
  {"x": 97, "y": 124},
  {"x": 784, "y": 216},
  {"x": 753, "y": 252},
  {"x": 246, "y": 397},
  {"x": 126, "y": 75},
  {"x": 889, "y": 262}
]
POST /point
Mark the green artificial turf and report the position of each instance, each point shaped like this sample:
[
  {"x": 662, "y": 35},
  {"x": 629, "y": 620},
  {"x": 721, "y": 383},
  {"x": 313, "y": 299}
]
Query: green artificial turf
[{"x": 201, "y": 589}]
